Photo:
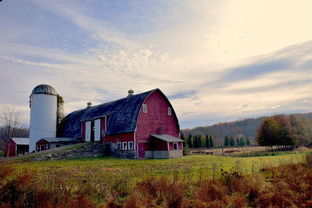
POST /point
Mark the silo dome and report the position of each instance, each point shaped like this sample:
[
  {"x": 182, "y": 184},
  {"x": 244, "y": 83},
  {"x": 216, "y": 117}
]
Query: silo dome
[{"x": 44, "y": 89}]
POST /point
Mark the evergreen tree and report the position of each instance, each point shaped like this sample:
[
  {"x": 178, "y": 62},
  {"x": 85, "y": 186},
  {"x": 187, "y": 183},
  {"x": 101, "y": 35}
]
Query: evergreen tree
[
  {"x": 207, "y": 141},
  {"x": 190, "y": 141},
  {"x": 232, "y": 142},
  {"x": 242, "y": 141},
  {"x": 211, "y": 141},
  {"x": 183, "y": 138},
  {"x": 226, "y": 141},
  {"x": 247, "y": 142},
  {"x": 199, "y": 140},
  {"x": 237, "y": 142}
]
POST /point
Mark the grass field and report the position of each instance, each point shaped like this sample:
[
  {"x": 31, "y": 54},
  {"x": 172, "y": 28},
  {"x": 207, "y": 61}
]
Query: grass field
[
  {"x": 191, "y": 181},
  {"x": 192, "y": 166}
]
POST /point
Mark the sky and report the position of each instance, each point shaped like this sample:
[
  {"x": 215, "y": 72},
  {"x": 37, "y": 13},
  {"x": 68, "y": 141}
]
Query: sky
[{"x": 215, "y": 60}]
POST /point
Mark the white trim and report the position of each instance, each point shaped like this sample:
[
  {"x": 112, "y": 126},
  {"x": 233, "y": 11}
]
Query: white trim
[
  {"x": 169, "y": 111},
  {"x": 130, "y": 145},
  {"x": 144, "y": 108},
  {"x": 168, "y": 146},
  {"x": 119, "y": 145},
  {"x": 87, "y": 131},
  {"x": 124, "y": 145},
  {"x": 97, "y": 130},
  {"x": 175, "y": 143}
]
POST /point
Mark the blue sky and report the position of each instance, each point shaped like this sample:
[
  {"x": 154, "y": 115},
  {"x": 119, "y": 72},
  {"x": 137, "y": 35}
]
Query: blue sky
[{"x": 215, "y": 60}]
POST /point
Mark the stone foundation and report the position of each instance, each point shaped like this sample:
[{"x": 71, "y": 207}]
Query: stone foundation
[{"x": 163, "y": 154}]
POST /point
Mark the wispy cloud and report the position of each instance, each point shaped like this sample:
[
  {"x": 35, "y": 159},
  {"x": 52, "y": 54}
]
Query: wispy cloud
[{"x": 213, "y": 59}]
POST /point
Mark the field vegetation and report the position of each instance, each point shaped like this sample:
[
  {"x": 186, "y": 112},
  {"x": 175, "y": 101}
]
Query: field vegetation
[{"x": 191, "y": 181}]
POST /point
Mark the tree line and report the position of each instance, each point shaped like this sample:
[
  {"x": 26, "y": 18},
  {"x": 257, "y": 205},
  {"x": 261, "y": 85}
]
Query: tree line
[
  {"x": 238, "y": 142},
  {"x": 198, "y": 141},
  {"x": 284, "y": 131}
]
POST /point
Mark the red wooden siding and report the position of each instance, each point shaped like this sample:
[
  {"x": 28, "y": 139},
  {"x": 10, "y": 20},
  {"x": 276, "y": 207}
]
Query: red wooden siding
[
  {"x": 155, "y": 118},
  {"x": 127, "y": 137},
  {"x": 83, "y": 130}
]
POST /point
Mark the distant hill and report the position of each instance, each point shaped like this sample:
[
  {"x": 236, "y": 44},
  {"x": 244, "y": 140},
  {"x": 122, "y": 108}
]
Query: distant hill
[{"x": 246, "y": 128}]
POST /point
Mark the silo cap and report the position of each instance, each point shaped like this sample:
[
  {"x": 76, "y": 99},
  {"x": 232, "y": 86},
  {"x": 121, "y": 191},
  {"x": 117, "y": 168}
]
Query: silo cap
[{"x": 44, "y": 89}]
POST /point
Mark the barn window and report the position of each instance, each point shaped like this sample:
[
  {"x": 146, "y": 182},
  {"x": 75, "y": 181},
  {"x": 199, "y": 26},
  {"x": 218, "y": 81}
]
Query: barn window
[
  {"x": 47, "y": 146},
  {"x": 124, "y": 146},
  {"x": 144, "y": 106},
  {"x": 169, "y": 111},
  {"x": 130, "y": 145},
  {"x": 119, "y": 145},
  {"x": 175, "y": 146}
]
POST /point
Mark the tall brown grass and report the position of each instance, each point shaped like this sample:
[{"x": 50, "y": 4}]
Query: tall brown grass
[{"x": 283, "y": 186}]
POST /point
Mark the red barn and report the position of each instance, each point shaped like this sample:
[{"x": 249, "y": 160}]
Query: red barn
[
  {"x": 16, "y": 146},
  {"x": 144, "y": 125}
]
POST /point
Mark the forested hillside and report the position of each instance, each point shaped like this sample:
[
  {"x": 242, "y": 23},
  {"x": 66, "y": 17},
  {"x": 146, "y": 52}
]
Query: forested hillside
[{"x": 245, "y": 128}]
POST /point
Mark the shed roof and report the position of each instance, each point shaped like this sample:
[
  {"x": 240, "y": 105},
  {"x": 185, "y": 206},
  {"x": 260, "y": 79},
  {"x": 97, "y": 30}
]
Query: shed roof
[
  {"x": 21, "y": 141},
  {"x": 59, "y": 139},
  {"x": 167, "y": 138},
  {"x": 122, "y": 115}
]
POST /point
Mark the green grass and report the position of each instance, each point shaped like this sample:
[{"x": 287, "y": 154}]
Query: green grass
[{"x": 193, "y": 166}]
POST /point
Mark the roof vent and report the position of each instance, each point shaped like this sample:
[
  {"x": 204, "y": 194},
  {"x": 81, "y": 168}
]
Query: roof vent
[
  {"x": 130, "y": 92},
  {"x": 89, "y": 104}
]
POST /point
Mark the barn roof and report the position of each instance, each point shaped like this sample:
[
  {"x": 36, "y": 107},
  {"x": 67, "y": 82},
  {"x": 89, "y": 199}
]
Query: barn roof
[
  {"x": 167, "y": 138},
  {"x": 122, "y": 115},
  {"x": 21, "y": 141}
]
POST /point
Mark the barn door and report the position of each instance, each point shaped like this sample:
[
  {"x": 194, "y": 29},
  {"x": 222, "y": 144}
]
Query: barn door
[
  {"x": 97, "y": 130},
  {"x": 88, "y": 131}
]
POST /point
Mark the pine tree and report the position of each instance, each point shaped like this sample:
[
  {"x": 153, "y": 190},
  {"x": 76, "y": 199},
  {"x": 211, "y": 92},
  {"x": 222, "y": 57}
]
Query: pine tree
[
  {"x": 226, "y": 141},
  {"x": 207, "y": 141},
  {"x": 237, "y": 142},
  {"x": 247, "y": 142},
  {"x": 211, "y": 141},
  {"x": 190, "y": 141},
  {"x": 232, "y": 142}
]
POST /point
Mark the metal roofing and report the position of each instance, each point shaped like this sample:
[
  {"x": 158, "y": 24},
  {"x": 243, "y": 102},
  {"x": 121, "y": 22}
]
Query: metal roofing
[
  {"x": 21, "y": 141},
  {"x": 122, "y": 115},
  {"x": 44, "y": 89},
  {"x": 167, "y": 138},
  {"x": 60, "y": 139}
]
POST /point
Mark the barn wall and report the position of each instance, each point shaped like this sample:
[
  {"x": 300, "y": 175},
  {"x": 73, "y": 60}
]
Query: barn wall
[
  {"x": 158, "y": 144},
  {"x": 155, "y": 118},
  {"x": 83, "y": 131},
  {"x": 126, "y": 137},
  {"x": 10, "y": 148}
]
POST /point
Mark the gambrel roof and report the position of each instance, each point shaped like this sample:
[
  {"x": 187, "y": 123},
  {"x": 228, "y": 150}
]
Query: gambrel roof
[{"x": 121, "y": 115}]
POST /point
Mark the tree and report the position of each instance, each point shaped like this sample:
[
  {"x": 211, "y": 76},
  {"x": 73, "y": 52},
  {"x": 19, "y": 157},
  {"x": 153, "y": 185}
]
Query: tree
[
  {"x": 10, "y": 119},
  {"x": 226, "y": 141},
  {"x": 207, "y": 142},
  {"x": 190, "y": 141},
  {"x": 183, "y": 138},
  {"x": 232, "y": 142},
  {"x": 211, "y": 141},
  {"x": 237, "y": 142},
  {"x": 247, "y": 142}
]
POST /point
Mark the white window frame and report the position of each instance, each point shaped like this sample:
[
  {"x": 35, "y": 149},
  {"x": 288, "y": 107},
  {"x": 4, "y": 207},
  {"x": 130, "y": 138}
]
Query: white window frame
[
  {"x": 174, "y": 146},
  {"x": 169, "y": 111},
  {"x": 46, "y": 146},
  {"x": 144, "y": 108},
  {"x": 124, "y": 145},
  {"x": 119, "y": 145},
  {"x": 130, "y": 145}
]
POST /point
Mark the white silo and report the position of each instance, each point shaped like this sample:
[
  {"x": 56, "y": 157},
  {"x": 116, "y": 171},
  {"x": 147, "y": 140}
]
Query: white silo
[{"x": 43, "y": 108}]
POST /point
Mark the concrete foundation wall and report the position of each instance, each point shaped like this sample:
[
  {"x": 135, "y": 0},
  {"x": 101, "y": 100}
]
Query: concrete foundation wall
[{"x": 163, "y": 154}]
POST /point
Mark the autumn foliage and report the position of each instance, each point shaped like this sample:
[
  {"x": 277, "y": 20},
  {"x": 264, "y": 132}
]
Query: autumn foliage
[{"x": 283, "y": 186}]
